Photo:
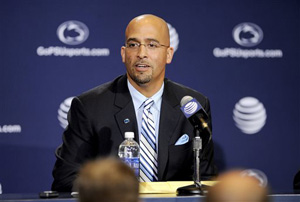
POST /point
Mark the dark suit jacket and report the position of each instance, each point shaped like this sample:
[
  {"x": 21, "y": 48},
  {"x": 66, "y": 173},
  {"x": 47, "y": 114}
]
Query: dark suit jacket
[{"x": 96, "y": 128}]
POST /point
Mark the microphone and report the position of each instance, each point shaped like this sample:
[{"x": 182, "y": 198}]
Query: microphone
[
  {"x": 195, "y": 113},
  {"x": 197, "y": 116}
]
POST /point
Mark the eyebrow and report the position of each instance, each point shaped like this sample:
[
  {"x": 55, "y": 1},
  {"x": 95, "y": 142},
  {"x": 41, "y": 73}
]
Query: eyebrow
[{"x": 148, "y": 39}]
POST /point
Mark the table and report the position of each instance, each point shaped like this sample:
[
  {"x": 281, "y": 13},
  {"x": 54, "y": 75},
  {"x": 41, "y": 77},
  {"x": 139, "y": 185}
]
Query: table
[{"x": 66, "y": 197}]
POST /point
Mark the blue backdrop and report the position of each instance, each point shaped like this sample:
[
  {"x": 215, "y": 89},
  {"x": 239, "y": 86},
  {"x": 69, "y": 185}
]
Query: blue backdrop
[{"x": 243, "y": 55}]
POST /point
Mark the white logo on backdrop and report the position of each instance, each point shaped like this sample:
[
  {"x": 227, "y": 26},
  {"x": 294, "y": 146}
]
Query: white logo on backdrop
[
  {"x": 10, "y": 128},
  {"x": 63, "y": 112},
  {"x": 247, "y": 34},
  {"x": 259, "y": 175},
  {"x": 174, "y": 38},
  {"x": 249, "y": 115},
  {"x": 72, "y": 32}
]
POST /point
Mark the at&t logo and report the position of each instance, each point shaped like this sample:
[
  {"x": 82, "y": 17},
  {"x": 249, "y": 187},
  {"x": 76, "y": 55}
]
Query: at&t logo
[
  {"x": 63, "y": 112},
  {"x": 249, "y": 115},
  {"x": 190, "y": 108},
  {"x": 174, "y": 38},
  {"x": 247, "y": 34},
  {"x": 72, "y": 32}
]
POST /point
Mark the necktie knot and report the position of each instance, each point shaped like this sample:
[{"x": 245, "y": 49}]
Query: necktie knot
[{"x": 148, "y": 103}]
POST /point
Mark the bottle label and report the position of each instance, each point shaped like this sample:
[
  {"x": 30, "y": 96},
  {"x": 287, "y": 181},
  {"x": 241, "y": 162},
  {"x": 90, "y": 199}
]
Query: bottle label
[{"x": 134, "y": 163}]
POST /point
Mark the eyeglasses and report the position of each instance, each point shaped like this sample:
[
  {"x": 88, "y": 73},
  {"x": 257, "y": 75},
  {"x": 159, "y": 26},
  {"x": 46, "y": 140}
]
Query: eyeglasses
[{"x": 149, "y": 46}]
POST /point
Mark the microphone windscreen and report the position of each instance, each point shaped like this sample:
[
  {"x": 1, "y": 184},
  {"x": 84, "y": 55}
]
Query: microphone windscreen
[{"x": 185, "y": 100}]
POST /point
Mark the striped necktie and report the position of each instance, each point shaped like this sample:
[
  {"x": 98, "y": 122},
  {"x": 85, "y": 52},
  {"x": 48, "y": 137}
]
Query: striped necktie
[{"x": 148, "y": 151}]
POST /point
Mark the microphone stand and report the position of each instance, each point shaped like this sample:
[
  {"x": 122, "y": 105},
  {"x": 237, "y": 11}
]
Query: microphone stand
[{"x": 197, "y": 188}]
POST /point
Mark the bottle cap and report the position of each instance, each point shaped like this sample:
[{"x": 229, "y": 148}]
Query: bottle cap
[{"x": 129, "y": 134}]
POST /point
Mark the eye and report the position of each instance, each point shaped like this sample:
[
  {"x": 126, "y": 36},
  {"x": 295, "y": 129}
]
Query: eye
[
  {"x": 153, "y": 45},
  {"x": 132, "y": 45}
]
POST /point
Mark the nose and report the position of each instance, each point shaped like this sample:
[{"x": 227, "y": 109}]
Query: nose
[{"x": 142, "y": 51}]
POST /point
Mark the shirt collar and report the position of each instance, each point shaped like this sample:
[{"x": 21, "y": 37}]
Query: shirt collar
[{"x": 138, "y": 98}]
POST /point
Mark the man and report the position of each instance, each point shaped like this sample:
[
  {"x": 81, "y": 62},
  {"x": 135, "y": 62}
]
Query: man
[
  {"x": 236, "y": 186},
  {"x": 99, "y": 118},
  {"x": 107, "y": 180}
]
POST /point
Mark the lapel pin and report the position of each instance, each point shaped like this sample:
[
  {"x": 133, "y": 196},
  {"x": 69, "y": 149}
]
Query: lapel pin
[{"x": 126, "y": 121}]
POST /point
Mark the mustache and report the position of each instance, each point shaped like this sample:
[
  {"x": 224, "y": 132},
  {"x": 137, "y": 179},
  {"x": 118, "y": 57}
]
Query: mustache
[{"x": 142, "y": 62}]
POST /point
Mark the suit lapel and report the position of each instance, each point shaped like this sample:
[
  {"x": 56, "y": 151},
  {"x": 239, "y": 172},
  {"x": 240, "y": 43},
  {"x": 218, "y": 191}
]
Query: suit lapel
[
  {"x": 125, "y": 118},
  {"x": 169, "y": 118}
]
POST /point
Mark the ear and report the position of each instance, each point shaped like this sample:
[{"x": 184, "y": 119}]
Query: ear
[
  {"x": 123, "y": 53},
  {"x": 170, "y": 53}
]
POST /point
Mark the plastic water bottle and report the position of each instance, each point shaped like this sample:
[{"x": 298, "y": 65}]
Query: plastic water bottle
[{"x": 129, "y": 152}]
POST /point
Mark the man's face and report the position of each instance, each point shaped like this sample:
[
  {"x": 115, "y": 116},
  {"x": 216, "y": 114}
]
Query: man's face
[{"x": 146, "y": 66}]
